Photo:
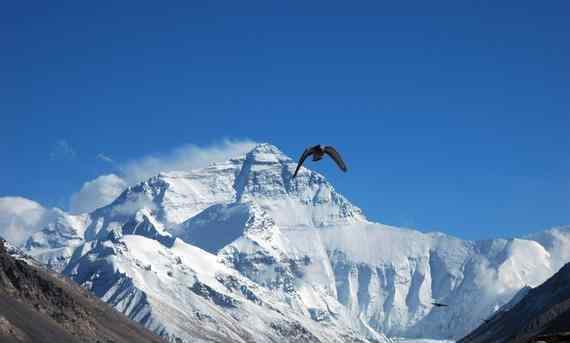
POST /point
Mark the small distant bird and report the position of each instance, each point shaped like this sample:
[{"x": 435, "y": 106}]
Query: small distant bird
[
  {"x": 318, "y": 151},
  {"x": 439, "y": 305},
  {"x": 487, "y": 321}
]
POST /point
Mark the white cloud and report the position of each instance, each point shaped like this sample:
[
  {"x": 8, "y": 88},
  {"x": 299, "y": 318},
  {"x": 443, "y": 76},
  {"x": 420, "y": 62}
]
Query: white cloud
[
  {"x": 104, "y": 189},
  {"x": 19, "y": 218},
  {"x": 186, "y": 157},
  {"x": 62, "y": 150},
  {"x": 97, "y": 193},
  {"x": 130, "y": 208}
]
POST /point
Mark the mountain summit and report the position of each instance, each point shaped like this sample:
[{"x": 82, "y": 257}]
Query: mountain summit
[{"x": 243, "y": 251}]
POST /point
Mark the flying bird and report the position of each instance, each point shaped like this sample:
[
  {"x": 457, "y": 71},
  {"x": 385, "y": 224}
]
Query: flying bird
[
  {"x": 439, "y": 305},
  {"x": 318, "y": 151}
]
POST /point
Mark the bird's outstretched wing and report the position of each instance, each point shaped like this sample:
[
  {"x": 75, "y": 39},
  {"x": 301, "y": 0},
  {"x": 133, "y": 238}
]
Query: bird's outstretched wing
[
  {"x": 336, "y": 157},
  {"x": 306, "y": 154}
]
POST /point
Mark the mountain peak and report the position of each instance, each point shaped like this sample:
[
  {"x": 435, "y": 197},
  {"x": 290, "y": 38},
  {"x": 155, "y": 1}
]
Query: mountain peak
[
  {"x": 266, "y": 148},
  {"x": 267, "y": 153}
]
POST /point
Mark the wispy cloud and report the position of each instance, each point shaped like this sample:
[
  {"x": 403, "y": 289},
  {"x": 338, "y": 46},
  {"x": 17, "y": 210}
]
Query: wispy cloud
[
  {"x": 97, "y": 193},
  {"x": 104, "y": 158},
  {"x": 62, "y": 150},
  {"x": 130, "y": 208},
  {"x": 186, "y": 157},
  {"x": 105, "y": 188}
]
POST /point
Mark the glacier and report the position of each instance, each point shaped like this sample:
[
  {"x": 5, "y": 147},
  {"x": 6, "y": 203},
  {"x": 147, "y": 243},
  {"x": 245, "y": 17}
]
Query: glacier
[{"x": 239, "y": 251}]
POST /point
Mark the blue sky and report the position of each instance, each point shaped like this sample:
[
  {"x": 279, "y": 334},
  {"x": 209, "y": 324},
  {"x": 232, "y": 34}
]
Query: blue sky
[{"x": 452, "y": 116}]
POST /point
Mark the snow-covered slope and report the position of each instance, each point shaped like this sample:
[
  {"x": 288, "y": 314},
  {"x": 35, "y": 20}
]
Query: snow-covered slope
[
  {"x": 185, "y": 293},
  {"x": 309, "y": 255},
  {"x": 386, "y": 276},
  {"x": 61, "y": 234}
]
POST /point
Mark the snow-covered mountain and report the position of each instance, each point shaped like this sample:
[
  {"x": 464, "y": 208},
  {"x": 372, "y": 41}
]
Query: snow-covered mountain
[
  {"x": 242, "y": 250},
  {"x": 40, "y": 306},
  {"x": 61, "y": 234}
]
